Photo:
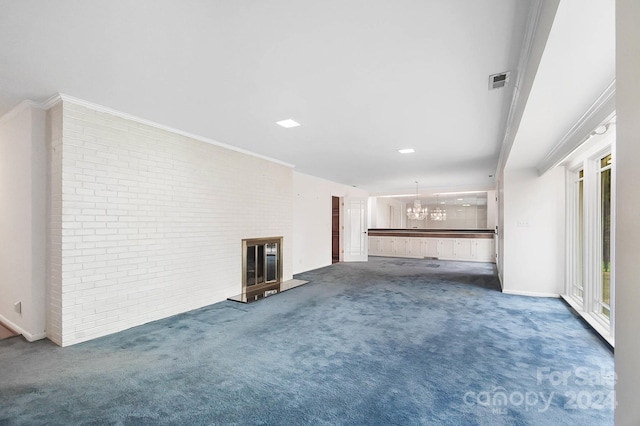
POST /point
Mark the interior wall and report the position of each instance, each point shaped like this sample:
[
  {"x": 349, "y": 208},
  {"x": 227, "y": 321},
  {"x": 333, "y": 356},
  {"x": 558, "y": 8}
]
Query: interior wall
[
  {"x": 23, "y": 185},
  {"x": 458, "y": 217},
  {"x": 389, "y": 213},
  {"x": 627, "y": 268},
  {"x": 55, "y": 231},
  {"x": 312, "y": 219},
  {"x": 500, "y": 226},
  {"x": 372, "y": 212},
  {"x": 534, "y": 232},
  {"x": 492, "y": 207},
  {"x": 152, "y": 221}
]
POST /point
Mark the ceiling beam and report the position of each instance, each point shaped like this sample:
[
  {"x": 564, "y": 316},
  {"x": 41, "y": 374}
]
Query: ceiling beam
[{"x": 541, "y": 17}]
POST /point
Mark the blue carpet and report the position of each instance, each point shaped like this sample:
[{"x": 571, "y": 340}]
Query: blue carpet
[{"x": 389, "y": 342}]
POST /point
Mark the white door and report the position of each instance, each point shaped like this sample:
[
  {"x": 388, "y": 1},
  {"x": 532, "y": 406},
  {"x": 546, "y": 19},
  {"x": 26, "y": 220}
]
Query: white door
[{"x": 355, "y": 230}]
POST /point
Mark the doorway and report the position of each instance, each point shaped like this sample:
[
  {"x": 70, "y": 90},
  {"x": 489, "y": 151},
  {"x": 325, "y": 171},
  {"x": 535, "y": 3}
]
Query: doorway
[{"x": 335, "y": 229}]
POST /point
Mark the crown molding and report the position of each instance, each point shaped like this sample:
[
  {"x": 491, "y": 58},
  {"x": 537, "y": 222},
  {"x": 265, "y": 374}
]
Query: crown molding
[
  {"x": 600, "y": 112},
  {"x": 52, "y": 101},
  {"x": 61, "y": 97}
]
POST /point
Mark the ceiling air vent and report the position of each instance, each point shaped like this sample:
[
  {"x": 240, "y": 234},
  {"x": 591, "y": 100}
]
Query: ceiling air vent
[{"x": 497, "y": 81}]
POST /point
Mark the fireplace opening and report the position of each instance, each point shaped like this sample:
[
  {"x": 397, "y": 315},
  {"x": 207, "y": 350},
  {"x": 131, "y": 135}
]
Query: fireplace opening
[{"x": 261, "y": 267}]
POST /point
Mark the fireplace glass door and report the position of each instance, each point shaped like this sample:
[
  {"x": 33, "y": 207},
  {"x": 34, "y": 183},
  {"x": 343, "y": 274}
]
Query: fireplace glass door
[
  {"x": 262, "y": 267},
  {"x": 262, "y": 264}
]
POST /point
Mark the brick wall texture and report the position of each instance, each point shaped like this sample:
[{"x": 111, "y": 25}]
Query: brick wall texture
[{"x": 146, "y": 223}]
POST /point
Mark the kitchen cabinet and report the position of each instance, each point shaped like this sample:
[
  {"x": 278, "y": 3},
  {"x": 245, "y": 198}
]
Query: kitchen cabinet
[{"x": 472, "y": 249}]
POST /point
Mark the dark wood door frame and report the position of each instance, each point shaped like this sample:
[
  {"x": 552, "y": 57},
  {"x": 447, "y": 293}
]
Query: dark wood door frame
[{"x": 335, "y": 229}]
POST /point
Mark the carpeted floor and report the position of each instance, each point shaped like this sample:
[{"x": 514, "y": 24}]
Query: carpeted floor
[{"x": 389, "y": 342}]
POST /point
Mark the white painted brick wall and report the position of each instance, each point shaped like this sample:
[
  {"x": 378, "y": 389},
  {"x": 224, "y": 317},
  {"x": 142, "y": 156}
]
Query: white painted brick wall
[
  {"x": 151, "y": 222},
  {"x": 56, "y": 233}
]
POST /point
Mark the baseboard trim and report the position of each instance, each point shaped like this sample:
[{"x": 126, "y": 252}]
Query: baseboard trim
[
  {"x": 448, "y": 259},
  {"x": 596, "y": 326},
  {"x": 531, "y": 293},
  {"x": 31, "y": 337}
]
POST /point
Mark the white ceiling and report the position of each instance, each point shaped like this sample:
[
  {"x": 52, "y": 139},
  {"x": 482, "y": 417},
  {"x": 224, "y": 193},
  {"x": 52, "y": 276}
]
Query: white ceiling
[{"x": 363, "y": 77}]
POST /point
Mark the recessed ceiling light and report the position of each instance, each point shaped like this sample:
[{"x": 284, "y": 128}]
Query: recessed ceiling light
[
  {"x": 288, "y": 123},
  {"x": 466, "y": 205},
  {"x": 406, "y": 151},
  {"x": 460, "y": 199}
]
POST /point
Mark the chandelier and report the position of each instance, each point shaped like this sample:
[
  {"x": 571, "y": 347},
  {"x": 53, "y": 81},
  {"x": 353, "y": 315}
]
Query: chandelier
[
  {"x": 438, "y": 214},
  {"x": 416, "y": 212}
]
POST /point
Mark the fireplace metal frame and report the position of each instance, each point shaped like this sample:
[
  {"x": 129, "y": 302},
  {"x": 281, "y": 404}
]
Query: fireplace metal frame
[{"x": 258, "y": 291}]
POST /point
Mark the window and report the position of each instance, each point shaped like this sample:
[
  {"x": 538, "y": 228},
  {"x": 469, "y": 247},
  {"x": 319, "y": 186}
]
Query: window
[
  {"x": 603, "y": 293},
  {"x": 590, "y": 238},
  {"x": 577, "y": 269}
]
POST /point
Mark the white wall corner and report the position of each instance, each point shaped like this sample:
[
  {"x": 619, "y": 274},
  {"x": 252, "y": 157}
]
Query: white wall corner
[
  {"x": 18, "y": 109},
  {"x": 23, "y": 177},
  {"x": 533, "y": 245},
  {"x": 31, "y": 337}
]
